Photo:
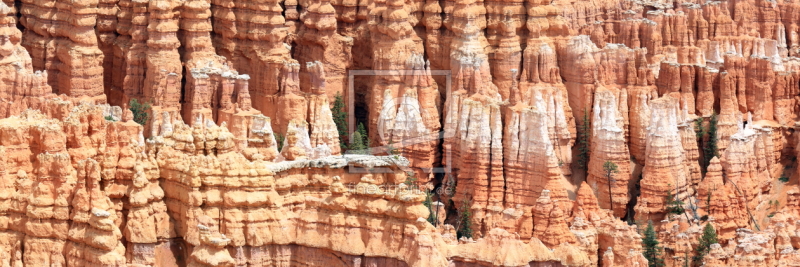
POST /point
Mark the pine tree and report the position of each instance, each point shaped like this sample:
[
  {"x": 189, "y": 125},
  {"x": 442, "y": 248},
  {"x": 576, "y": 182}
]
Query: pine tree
[
  {"x": 391, "y": 150},
  {"x": 700, "y": 131},
  {"x": 139, "y": 110},
  {"x": 279, "y": 139},
  {"x": 357, "y": 143},
  {"x": 652, "y": 251},
  {"x": 340, "y": 119},
  {"x": 698, "y": 128},
  {"x": 610, "y": 168},
  {"x": 465, "y": 221},
  {"x": 710, "y": 149},
  {"x": 411, "y": 178},
  {"x": 584, "y": 134},
  {"x": 429, "y": 204},
  {"x": 364, "y": 135},
  {"x": 709, "y": 237},
  {"x": 674, "y": 205}
]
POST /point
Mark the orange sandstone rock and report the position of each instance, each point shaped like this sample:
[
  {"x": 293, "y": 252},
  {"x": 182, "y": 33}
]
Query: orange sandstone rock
[
  {"x": 608, "y": 146},
  {"x": 665, "y": 171}
]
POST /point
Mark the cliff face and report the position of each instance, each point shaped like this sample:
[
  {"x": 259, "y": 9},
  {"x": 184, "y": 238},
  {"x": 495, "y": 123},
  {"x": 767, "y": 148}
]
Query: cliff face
[{"x": 504, "y": 133}]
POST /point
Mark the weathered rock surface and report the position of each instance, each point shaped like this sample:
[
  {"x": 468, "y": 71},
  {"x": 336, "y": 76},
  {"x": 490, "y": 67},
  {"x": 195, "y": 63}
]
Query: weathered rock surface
[{"x": 511, "y": 111}]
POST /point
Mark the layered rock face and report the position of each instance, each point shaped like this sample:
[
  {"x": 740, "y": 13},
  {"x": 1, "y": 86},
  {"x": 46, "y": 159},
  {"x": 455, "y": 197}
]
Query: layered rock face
[
  {"x": 62, "y": 40},
  {"x": 499, "y": 133},
  {"x": 22, "y": 87}
]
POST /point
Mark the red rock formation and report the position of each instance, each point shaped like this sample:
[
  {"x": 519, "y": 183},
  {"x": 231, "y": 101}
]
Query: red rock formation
[
  {"x": 530, "y": 164},
  {"x": 608, "y": 146},
  {"x": 740, "y": 164},
  {"x": 106, "y": 28},
  {"x": 22, "y": 87},
  {"x": 403, "y": 108},
  {"x": 586, "y": 206},
  {"x": 754, "y": 248},
  {"x": 74, "y": 63},
  {"x": 210, "y": 179},
  {"x": 580, "y": 78},
  {"x": 541, "y": 88},
  {"x": 164, "y": 69},
  {"x": 211, "y": 251},
  {"x": 549, "y": 222},
  {"x": 472, "y": 114},
  {"x": 291, "y": 105},
  {"x": 129, "y": 52},
  {"x": 251, "y": 36},
  {"x": 716, "y": 257},
  {"x": 318, "y": 41},
  {"x": 94, "y": 236},
  {"x": 623, "y": 240},
  {"x": 727, "y": 210},
  {"x": 678, "y": 238},
  {"x": 324, "y": 135},
  {"x": 687, "y": 126},
  {"x": 729, "y": 115},
  {"x": 586, "y": 236},
  {"x": 665, "y": 171},
  {"x": 639, "y": 115},
  {"x": 506, "y": 44}
]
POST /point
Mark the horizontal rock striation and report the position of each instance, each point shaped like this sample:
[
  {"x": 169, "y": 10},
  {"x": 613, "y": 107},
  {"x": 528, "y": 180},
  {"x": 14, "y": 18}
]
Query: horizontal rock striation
[{"x": 496, "y": 133}]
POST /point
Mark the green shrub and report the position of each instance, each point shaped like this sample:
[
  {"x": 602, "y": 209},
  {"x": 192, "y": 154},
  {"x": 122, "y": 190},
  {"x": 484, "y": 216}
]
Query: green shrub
[{"x": 140, "y": 111}]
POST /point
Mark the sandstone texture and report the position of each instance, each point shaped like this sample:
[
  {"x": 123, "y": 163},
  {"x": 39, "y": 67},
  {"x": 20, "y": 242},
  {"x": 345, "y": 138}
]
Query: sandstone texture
[{"x": 492, "y": 132}]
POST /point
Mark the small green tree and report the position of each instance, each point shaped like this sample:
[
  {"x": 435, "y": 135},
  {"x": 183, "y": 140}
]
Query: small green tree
[
  {"x": 429, "y": 204},
  {"x": 710, "y": 148},
  {"x": 391, "y": 150},
  {"x": 708, "y": 199},
  {"x": 411, "y": 178},
  {"x": 652, "y": 251},
  {"x": 584, "y": 134},
  {"x": 279, "y": 139},
  {"x": 674, "y": 205},
  {"x": 709, "y": 237},
  {"x": 139, "y": 110},
  {"x": 685, "y": 259},
  {"x": 698, "y": 128},
  {"x": 465, "y": 220},
  {"x": 340, "y": 119},
  {"x": 110, "y": 118},
  {"x": 357, "y": 142},
  {"x": 610, "y": 168},
  {"x": 364, "y": 135}
]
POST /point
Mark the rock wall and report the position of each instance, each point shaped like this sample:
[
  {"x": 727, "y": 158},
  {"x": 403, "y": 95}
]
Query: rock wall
[{"x": 560, "y": 127}]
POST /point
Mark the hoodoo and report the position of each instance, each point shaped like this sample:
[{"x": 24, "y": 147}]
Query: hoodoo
[{"x": 419, "y": 133}]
